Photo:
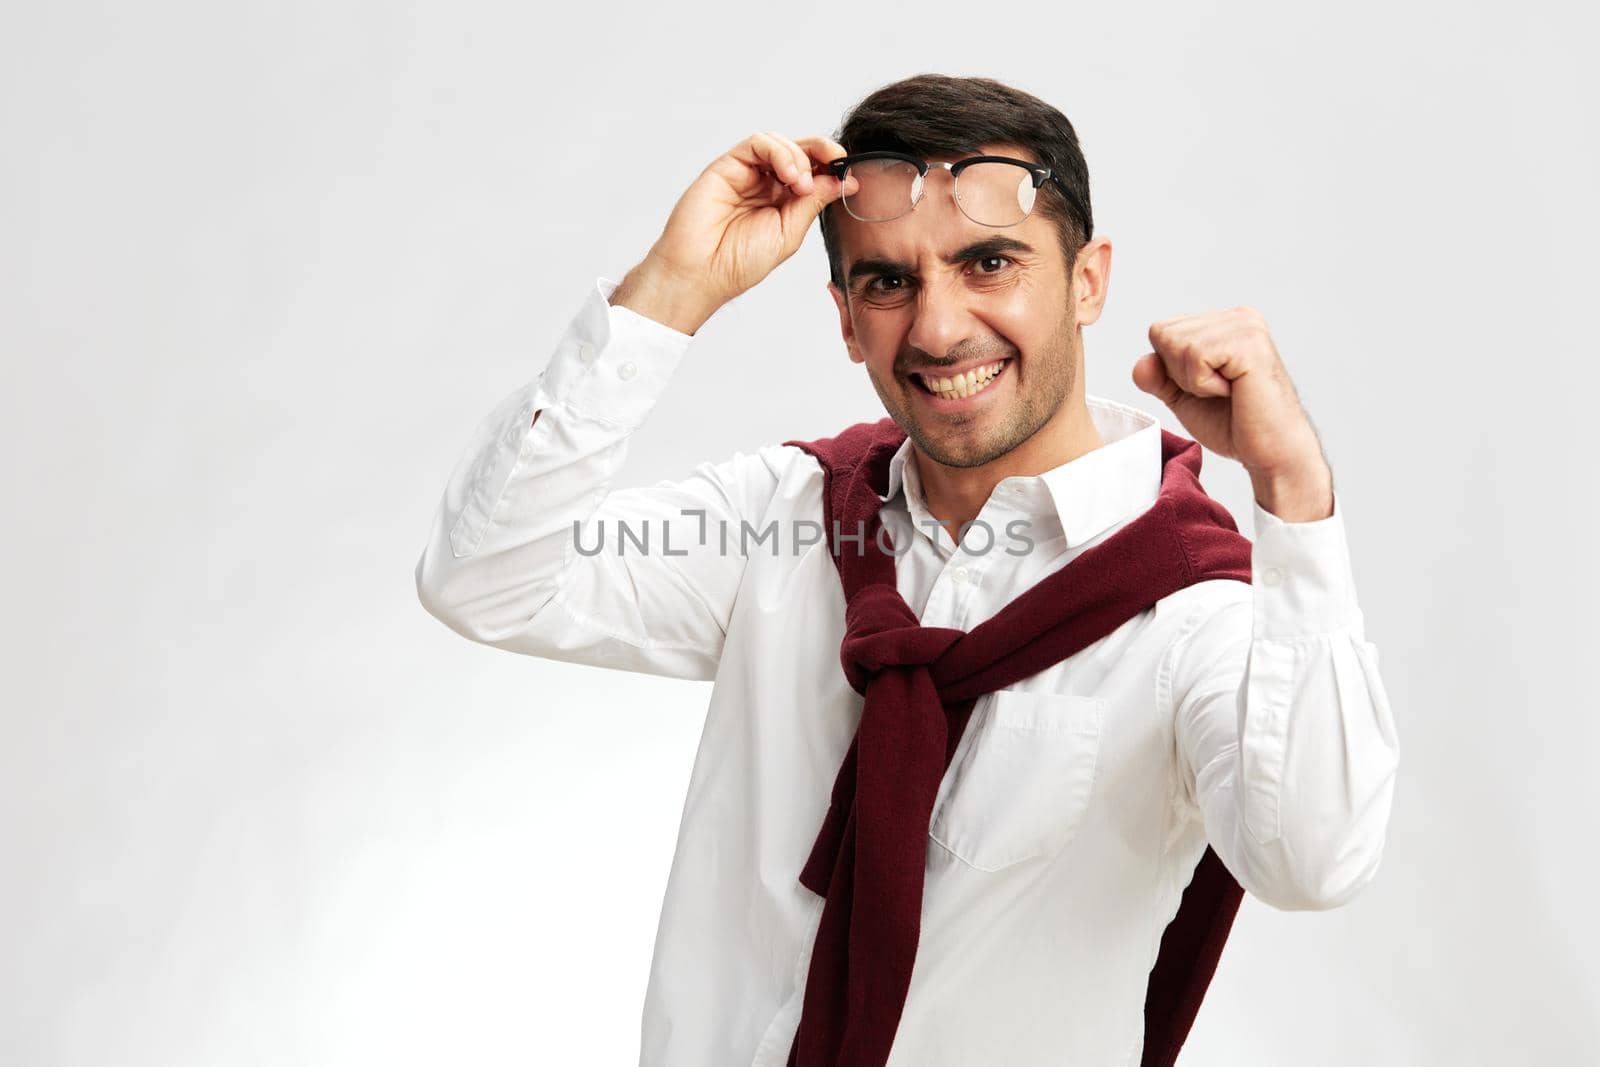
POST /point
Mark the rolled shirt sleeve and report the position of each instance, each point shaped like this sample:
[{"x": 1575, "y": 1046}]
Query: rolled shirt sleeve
[{"x": 1286, "y": 742}]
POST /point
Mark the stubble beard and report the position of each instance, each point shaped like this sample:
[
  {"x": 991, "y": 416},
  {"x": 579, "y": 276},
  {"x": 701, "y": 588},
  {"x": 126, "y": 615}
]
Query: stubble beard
[{"x": 1040, "y": 393}]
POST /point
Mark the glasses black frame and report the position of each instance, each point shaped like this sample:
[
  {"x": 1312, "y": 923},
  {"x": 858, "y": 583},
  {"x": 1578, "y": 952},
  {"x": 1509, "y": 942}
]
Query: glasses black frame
[{"x": 1040, "y": 173}]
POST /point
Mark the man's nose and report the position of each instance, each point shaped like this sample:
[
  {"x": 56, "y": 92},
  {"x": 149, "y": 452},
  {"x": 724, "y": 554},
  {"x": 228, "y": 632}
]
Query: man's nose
[{"x": 943, "y": 318}]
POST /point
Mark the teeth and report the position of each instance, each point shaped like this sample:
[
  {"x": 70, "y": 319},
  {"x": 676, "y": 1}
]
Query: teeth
[{"x": 964, "y": 385}]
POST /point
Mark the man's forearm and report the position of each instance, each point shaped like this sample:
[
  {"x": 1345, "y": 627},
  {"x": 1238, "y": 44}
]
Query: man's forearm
[
  {"x": 502, "y": 534},
  {"x": 1302, "y": 495},
  {"x": 655, "y": 292},
  {"x": 1288, "y": 739}
]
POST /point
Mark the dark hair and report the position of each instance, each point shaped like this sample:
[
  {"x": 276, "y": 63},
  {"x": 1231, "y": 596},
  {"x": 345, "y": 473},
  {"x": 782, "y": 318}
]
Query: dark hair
[{"x": 931, "y": 115}]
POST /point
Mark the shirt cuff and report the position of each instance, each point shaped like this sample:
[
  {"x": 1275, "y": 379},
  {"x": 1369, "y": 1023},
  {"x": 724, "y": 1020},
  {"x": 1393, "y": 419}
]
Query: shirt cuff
[
  {"x": 1301, "y": 576},
  {"x": 613, "y": 363}
]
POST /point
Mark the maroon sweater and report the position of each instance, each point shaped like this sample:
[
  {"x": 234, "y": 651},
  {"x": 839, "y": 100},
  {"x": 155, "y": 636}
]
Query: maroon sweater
[{"x": 920, "y": 684}]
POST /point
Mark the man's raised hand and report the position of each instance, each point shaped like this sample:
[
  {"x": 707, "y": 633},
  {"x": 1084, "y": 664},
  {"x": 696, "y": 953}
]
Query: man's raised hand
[{"x": 748, "y": 211}]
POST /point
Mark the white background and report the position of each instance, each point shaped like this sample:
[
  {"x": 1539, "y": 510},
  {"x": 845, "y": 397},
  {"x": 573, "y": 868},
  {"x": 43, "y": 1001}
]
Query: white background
[{"x": 262, "y": 269}]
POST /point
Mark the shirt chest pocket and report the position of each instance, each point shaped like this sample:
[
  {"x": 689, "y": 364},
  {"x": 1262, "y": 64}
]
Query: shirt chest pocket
[{"x": 1020, "y": 785}]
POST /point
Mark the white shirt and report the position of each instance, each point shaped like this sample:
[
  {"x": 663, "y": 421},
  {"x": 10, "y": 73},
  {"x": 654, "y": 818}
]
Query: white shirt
[{"x": 1251, "y": 717}]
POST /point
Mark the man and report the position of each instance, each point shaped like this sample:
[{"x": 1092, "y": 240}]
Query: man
[{"x": 1242, "y": 713}]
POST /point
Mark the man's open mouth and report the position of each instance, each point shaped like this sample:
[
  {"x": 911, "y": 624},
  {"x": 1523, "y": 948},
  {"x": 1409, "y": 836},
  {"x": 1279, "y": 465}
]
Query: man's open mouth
[{"x": 960, "y": 386}]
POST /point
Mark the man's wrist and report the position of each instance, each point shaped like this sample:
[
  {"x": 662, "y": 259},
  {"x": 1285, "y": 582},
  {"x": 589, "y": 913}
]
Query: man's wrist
[
  {"x": 656, "y": 293},
  {"x": 1300, "y": 494}
]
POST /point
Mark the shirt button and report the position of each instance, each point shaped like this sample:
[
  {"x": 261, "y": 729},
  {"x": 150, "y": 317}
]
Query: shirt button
[
  {"x": 586, "y": 351},
  {"x": 627, "y": 370},
  {"x": 1272, "y": 575},
  {"x": 959, "y": 576}
]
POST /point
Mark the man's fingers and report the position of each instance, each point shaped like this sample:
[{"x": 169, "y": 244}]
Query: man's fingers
[
  {"x": 1150, "y": 374},
  {"x": 801, "y": 211},
  {"x": 822, "y": 149},
  {"x": 1206, "y": 381},
  {"x": 799, "y": 164},
  {"x": 825, "y": 150},
  {"x": 763, "y": 151},
  {"x": 1172, "y": 376}
]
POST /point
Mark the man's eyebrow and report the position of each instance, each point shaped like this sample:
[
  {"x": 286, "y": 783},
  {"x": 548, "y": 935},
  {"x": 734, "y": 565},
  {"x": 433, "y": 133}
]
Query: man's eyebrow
[{"x": 988, "y": 246}]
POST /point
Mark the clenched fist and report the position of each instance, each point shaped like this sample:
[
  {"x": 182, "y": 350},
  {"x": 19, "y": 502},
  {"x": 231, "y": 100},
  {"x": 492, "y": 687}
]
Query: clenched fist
[{"x": 1223, "y": 379}]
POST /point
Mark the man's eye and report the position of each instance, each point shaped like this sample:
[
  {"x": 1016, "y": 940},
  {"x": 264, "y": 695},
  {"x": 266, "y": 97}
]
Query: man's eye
[
  {"x": 986, "y": 259},
  {"x": 872, "y": 286}
]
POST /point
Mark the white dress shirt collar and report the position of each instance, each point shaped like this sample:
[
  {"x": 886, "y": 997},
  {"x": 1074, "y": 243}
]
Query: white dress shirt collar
[{"x": 1088, "y": 495}]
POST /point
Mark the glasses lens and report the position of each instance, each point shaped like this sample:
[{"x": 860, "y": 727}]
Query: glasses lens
[
  {"x": 887, "y": 189},
  {"x": 996, "y": 194}
]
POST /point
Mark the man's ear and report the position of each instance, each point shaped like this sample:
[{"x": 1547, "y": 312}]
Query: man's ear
[
  {"x": 847, "y": 329},
  {"x": 1091, "y": 277}
]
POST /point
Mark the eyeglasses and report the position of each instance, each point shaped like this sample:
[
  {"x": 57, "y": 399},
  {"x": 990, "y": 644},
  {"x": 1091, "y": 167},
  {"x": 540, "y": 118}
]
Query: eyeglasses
[{"x": 990, "y": 190}]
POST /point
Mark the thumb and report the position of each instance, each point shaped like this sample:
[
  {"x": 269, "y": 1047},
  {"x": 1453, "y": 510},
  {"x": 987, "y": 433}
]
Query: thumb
[
  {"x": 1150, "y": 375},
  {"x": 801, "y": 211}
]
